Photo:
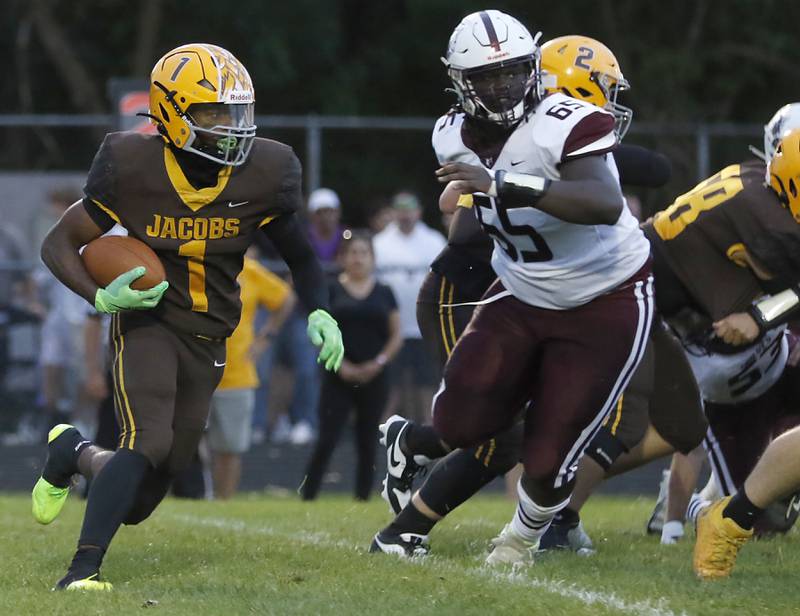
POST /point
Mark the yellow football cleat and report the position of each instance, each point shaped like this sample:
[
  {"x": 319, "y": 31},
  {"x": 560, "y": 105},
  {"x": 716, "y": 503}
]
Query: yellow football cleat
[
  {"x": 718, "y": 542},
  {"x": 91, "y": 582},
  {"x": 47, "y": 499}
]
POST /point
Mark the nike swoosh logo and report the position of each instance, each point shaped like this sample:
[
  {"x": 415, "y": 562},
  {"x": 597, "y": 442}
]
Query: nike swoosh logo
[
  {"x": 793, "y": 504},
  {"x": 392, "y": 459},
  {"x": 79, "y": 445},
  {"x": 515, "y": 163},
  {"x": 232, "y": 204},
  {"x": 217, "y": 364}
]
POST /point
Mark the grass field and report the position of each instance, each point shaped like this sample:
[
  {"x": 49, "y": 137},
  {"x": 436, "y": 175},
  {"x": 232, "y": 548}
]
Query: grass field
[{"x": 275, "y": 555}]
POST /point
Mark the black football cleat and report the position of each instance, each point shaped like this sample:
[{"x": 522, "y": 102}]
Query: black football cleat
[
  {"x": 405, "y": 545},
  {"x": 561, "y": 536}
]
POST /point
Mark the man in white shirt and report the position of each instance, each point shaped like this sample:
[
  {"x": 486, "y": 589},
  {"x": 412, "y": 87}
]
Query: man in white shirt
[{"x": 404, "y": 251}]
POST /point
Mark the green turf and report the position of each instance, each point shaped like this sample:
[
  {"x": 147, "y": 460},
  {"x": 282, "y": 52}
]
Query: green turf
[{"x": 273, "y": 555}]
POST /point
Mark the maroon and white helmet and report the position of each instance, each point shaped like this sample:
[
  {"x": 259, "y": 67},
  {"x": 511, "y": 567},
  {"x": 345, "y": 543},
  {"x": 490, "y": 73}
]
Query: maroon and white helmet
[{"x": 494, "y": 64}]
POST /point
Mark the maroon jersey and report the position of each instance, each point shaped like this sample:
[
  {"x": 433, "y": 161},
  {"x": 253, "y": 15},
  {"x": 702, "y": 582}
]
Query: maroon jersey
[
  {"x": 199, "y": 235},
  {"x": 711, "y": 236}
]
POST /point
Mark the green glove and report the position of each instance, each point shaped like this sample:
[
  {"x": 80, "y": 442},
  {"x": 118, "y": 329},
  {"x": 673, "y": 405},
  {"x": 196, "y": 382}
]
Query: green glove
[
  {"x": 324, "y": 332},
  {"x": 118, "y": 295}
]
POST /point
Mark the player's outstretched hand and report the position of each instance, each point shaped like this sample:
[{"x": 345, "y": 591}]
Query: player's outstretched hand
[
  {"x": 118, "y": 295},
  {"x": 323, "y": 330},
  {"x": 465, "y": 178},
  {"x": 738, "y": 328}
]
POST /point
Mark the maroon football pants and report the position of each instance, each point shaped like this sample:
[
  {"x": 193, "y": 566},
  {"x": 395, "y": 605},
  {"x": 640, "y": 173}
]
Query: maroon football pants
[
  {"x": 571, "y": 365},
  {"x": 738, "y": 434}
]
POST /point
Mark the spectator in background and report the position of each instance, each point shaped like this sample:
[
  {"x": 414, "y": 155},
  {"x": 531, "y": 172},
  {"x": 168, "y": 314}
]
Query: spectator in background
[
  {"x": 370, "y": 322},
  {"x": 234, "y": 400},
  {"x": 381, "y": 214},
  {"x": 12, "y": 279},
  {"x": 404, "y": 251},
  {"x": 324, "y": 229},
  {"x": 61, "y": 356}
]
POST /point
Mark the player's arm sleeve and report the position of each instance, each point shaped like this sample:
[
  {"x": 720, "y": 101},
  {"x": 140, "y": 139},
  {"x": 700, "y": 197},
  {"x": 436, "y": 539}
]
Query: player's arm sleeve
[
  {"x": 293, "y": 246},
  {"x": 99, "y": 200},
  {"x": 639, "y": 166},
  {"x": 592, "y": 135},
  {"x": 290, "y": 196}
]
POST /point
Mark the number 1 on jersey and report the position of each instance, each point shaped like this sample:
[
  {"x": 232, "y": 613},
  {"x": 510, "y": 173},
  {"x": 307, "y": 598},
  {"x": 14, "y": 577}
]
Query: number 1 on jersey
[{"x": 195, "y": 252}]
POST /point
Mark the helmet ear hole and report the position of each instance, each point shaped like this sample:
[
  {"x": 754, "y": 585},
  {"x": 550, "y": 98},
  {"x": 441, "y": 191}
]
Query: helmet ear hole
[
  {"x": 583, "y": 92},
  {"x": 164, "y": 113},
  {"x": 793, "y": 188}
]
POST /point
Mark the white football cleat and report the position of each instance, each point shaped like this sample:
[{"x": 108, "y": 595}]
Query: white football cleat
[
  {"x": 400, "y": 468},
  {"x": 511, "y": 549},
  {"x": 672, "y": 532}
]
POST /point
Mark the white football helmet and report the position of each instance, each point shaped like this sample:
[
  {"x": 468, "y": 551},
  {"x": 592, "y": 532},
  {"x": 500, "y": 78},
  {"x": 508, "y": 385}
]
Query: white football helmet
[
  {"x": 494, "y": 64},
  {"x": 785, "y": 119}
]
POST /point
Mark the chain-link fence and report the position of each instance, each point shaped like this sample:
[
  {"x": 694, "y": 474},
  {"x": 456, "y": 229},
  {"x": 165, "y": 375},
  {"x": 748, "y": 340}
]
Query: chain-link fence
[{"x": 366, "y": 159}]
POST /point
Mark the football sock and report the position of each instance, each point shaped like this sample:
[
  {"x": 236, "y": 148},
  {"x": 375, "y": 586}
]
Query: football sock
[
  {"x": 567, "y": 517},
  {"x": 531, "y": 521},
  {"x": 742, "y": 511},
  {"x": 410, "y": 520},
  {"x": 62, "y": 459},
  {"x": 422, "y": 440},
  {"x": 87, "y": 560},
  {"x": 453, "y": 480},
  {"x": 111, "y": 497},
  {"x": 696, "y": 504}
]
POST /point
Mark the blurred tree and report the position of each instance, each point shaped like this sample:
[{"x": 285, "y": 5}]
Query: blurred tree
[{"x": 687, "y": 61}]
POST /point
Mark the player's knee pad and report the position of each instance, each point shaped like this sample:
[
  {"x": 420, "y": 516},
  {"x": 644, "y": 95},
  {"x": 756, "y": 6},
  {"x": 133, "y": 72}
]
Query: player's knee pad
[
  {"x": 502, "y": 453},
  {"x": 605, "y": 448}
]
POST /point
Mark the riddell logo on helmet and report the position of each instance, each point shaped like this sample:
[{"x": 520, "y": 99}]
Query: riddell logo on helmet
[
  {"x": 240, "y": 97},
  {"x": 497, "y": 56}
]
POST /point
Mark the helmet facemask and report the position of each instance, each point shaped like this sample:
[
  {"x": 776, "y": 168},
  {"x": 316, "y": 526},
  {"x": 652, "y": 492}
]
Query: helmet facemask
[
  {"x": 222, "y": 132},
  {"x": 611, "y": 87},
  {"x": 501, "y": 92}
]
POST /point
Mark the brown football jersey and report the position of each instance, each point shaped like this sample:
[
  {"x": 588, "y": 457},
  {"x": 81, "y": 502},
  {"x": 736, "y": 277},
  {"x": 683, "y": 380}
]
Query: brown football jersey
[
  {"x": 199, "y": 235},
  {"x": 711, "y": 237}
]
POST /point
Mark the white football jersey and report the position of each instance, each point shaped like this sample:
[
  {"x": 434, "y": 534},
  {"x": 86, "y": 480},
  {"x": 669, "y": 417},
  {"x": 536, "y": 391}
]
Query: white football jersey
[
  {"x": 741, "y": 377},
  {"x": 543, "y": 260}
]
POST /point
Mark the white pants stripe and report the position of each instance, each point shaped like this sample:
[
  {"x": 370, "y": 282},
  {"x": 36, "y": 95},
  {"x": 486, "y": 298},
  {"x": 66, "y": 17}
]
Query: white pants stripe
[
  {"x": 643, "y": 290},
  {"x": 718, "y": 465}
]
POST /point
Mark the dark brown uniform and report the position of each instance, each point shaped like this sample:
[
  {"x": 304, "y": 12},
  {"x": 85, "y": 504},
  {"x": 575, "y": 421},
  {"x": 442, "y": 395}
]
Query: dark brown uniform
[
  {"x": 702, "y": 245},
  {"x": 706, "y": 237},
  {"x": 169, "y": 360}
]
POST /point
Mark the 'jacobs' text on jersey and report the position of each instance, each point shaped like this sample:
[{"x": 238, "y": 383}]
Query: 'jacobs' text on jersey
[{"x": 186, "y": 228}]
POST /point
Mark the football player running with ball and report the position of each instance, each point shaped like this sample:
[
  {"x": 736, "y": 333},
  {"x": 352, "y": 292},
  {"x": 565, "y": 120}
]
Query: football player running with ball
[
  {"x": 197, "y": 193},
  {"x": 567, "y": 321}
]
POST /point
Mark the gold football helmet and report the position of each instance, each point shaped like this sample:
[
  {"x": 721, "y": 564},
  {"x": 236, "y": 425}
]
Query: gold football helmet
[
  {"x": 783, "y": 171},
  {"x": 586, "y": 69},
  {"x": 201, "y": 101}
]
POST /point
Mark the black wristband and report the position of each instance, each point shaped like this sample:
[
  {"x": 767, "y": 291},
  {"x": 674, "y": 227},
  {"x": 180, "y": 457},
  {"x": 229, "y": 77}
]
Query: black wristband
[
  {"x": 520, "y": 189},
  {"x": 758, "y": 318}
]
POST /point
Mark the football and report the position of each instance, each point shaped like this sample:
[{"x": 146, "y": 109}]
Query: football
[{"x": 108, "y": 257}]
